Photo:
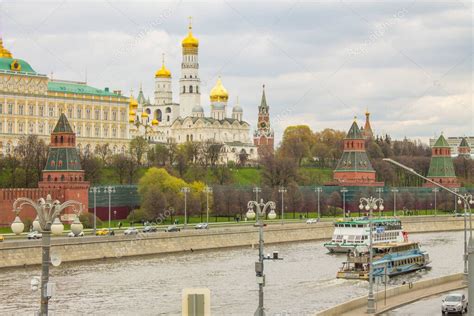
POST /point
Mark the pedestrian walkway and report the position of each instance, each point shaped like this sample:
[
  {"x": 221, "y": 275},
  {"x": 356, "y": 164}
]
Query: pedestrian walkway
[{"x": 405, "y": 298}]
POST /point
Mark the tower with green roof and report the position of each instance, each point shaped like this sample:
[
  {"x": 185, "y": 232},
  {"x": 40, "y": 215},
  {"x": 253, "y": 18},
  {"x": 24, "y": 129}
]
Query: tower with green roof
[
  {"x": 354, "y": 167},
  {"x": 441, "y": 165},
  {"x": 464, "y": 150},
  {"x": 63, "y": 167}
]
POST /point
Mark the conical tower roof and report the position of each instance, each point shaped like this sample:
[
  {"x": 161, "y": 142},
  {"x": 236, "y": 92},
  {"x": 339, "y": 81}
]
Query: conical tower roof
[
  {"x": 263, "y": 102},
  {"x": 354, "y": 132},
  {"x": 464, "y": 143},
  {"x": 141, "y": 97},
  {"x": 441, "y": 142},
  {"x": 63, "y": 126}
]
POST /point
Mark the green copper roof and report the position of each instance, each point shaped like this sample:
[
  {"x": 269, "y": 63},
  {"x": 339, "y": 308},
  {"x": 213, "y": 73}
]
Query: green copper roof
[
  {"x": 141, "y": 97},
  {"x": 263, "y": 103},
  {"x": 63, "y": 159},
  {"x": 79, "y": 88},
  {"x": 441, "y": 167},
  {"x": 441, "y": 142},
  {"x": 63, "y": 126},
  {"x": 464, "y": 143},
  {"x": 354, "y": 132},
  {"x": 354, "y": 161},
  {"x": 5, "y": 64}
]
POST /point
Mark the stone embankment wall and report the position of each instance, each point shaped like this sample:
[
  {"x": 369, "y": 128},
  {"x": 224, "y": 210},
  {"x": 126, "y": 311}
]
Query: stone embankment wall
[{"x": 19, "y": 253}]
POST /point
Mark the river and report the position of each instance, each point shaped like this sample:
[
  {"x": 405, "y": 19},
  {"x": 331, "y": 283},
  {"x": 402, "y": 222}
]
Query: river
[{"x": 301, "y": 284}]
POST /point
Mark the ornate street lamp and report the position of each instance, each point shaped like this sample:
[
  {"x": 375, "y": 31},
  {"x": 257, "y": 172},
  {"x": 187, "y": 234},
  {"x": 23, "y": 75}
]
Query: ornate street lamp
[
  {"x": 371, "y": 204},
  {"x": 109, "y": 190},
  {"x": 282, "y": 190},
  {"x": 319, "y": 190},
  {"x": 95, "y": 190},
  {"x": 256, "y": 190},
  {"x": 344, "y": 191},
  {"x": 467, "y": 200},
  {"x": 260, "y": 214},
  {"x": 48, "y": 212}
]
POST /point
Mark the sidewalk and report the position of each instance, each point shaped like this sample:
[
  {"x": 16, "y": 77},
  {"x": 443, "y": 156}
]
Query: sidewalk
[{"x": 406, "y": 298}]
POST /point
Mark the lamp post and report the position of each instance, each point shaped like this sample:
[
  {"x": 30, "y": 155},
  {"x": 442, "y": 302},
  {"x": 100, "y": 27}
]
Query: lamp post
[
  {"x": 318, "y": 190},
  {"x": 208, "y": 190},
  {"x": 256, "y": 190},
  {"x": 467, "y": 199},
  {"x": 371, "y": 204},
  {"x": 109, "y": 189},
  {"x": 95, "y": 190},
  {"x": 456, "y": 190},
  {"x": 394, "y": 191},
  {"x": 261, "y": 209},
  {"x": 469, "y": 258},
  {"x": 344, "y": 191},
  {"x": 379, "y": 191},
  {"x": 185, "y": 190},
  {"x": 48, "y": 212},
  {"x": 282, "y": 190},
  {"x": 435, "y": 191}
]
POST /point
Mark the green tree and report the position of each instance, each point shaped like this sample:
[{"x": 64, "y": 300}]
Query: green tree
[
  {"x": 139, "y": 149},
  {"x": 297, "y": 143}
]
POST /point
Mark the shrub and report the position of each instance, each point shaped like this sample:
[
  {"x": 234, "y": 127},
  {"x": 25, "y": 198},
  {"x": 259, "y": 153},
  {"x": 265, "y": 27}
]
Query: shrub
[{"x": 87, "y": 220}]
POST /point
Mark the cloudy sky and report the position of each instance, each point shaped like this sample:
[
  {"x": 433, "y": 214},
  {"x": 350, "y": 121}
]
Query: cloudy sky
[{"x": 323, "y": 62}]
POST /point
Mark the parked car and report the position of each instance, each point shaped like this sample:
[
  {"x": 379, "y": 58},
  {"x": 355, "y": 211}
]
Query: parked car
[
  {"x": 131, "y": 231},
  {"x": 34, "y": 235},
  {"x": 454, "y": 303},
  {"x": 150, "y": 229},
  {"x": 104, "y": 232},
  {"x": 257, "y": 225},
  {"x": 202, "y": 226},
  {"x": 311, "y": 220},
  {"x": 71, "y": 234},
  {"x": 172, "y": 228},
  {"x": 2, "y": 238}
]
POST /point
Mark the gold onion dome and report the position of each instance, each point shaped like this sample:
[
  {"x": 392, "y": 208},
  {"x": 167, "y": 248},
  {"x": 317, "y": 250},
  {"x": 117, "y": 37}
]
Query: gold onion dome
[
  {"x": 219, "y": 93},
  {"x": 190, "y": 40},
  {"x": 155, "y": 122},
  {"x": 131, "y": 119},
  {"x": 4, "y": 53},
  {"x": 133, "y": 102},
  {"x": 132, "y": 112},
  {"x": 144, "y": 114},
  {"x": 163, "y": 72}
]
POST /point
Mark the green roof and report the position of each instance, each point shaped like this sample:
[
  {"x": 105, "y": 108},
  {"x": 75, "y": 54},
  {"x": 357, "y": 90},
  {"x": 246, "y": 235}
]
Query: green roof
[
  {"x": 464, "y": 143},
  {"x": 441, "y": 167},
  {"x": 63, "y": 159},
  {"x": 63, "y": 126},
  {"x": 5, "y": 64},
  {"x": 79, "y": 88},
  {"x": 354, "y": 132},
  {"x": 354, "y": 161},
  {"x": 441, "y": 142},
  {"x": 263, "y": 102}
]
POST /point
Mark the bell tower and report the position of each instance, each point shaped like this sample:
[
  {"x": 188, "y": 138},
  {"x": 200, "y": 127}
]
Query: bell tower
[{"x": 263, "y": 136}]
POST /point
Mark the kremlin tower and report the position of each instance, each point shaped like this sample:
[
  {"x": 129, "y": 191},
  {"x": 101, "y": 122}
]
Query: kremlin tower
[
  {"x": 441, "y": 165},
  {"x": 354, "y": 167},
  {"x": 464, "y": 150},
  {"x": 263, "y": 136},
  {"x": 367, "y": 131},
  {"x": 163, "y": 89}
]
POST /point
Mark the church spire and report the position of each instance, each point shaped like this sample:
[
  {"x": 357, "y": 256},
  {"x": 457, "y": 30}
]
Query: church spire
[{"x": 367, "y": 128}]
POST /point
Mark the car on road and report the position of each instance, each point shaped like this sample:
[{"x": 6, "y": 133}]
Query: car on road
[
  {"x": 71, "y": 234},
  {"x": 2, "y": 238},
  {"x": 461, "y": 214},
  {"x": 311, "y": 220},
  {"x": 150, "y": 229},
  {"x": 257, "y": 225},
  {"x": 172, "y": 228},
  {"x": 454, "y": 303},
  {"x": 34, "y": 235},
  {"x": 202, "y": 226},
  {"x": 131, "y": 231},
  {"x": 104, "y": 232}
]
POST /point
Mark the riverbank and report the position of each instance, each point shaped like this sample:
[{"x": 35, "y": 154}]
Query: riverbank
[{"x": 23, "y": 253}]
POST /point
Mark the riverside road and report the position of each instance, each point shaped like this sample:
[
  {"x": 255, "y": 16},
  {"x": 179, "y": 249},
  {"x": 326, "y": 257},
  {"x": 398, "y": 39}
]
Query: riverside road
[{"x": 303, "y": 283}]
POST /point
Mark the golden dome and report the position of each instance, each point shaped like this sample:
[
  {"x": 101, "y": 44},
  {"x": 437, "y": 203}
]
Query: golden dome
[
  {"x": 155, "y": 122},
  {"x": 133, "y": 103},
  {"x": 219, "y": 93},
  {"x": 163, "y": 72},
  {"x": 4, "y": 53},
  {"x": 132, "y": 112},
  {"x": 131, "y": 119},
  {"x": 144, "y": 114},
  {"x": 190, "y": 40}
]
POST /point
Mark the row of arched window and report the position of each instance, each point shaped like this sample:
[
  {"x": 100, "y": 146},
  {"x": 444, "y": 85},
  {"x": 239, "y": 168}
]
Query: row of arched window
[{"x": 191, "y": 89}]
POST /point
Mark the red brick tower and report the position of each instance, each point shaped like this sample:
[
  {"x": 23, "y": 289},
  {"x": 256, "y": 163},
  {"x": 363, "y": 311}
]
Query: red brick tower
[
  {"x": 441, "y": 165},
  {"x": 354, "y": 167},
  {"x": 63, "y": 167},
  {"x": 464, "y": 150},
  {"x": 263, "y": 136}
]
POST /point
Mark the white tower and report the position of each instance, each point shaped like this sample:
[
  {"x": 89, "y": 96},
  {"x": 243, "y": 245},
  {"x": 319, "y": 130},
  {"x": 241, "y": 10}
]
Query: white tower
[
  {"x": 163, "y": 93},
  {"x": 189, "y": 90}
]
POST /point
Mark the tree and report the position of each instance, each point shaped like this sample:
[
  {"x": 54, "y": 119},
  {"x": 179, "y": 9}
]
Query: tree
[
  {"x": 124, "y": 167},
  {"x": 158, "y": 155},
  {"x": 334, "y": 202},
  {"x": 138, "y": 149},
  {"x": 222, "y": 174},
  {"x": 103, "y": 152},
  {"x": 297, "y": 143},
  {"x": 92, "y": 167},
  {"x": 32, "y": 154},
  {"x": 278, "y": 170},
  {"x": 211, "y": 152},
  {"x": 154, "y": 202}
]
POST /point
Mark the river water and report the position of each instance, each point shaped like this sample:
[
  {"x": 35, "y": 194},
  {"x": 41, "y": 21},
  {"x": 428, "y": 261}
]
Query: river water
[{"x": 301, "y": 284}]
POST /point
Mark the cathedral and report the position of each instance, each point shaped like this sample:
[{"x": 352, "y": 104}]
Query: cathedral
[{"x": 165, "y": 121}]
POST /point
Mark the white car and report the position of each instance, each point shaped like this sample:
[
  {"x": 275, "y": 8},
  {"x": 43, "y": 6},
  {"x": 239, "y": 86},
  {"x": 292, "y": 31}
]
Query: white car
[
  {"x": 454, "y": 303},
  {"x": 201, "y": 226},
  {"x": 131, "y": 231},
  {"x": 34, "y": 235},
  {"x": 71, "y": 234},
  {"x": 312, "y": 221}
]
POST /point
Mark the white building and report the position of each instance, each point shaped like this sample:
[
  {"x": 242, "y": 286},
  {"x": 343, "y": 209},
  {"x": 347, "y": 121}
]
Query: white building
[{"x": 164, "y": 121}]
